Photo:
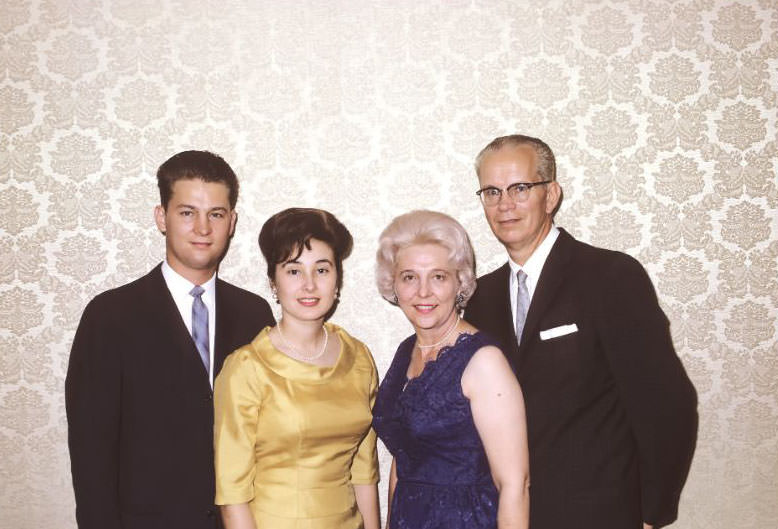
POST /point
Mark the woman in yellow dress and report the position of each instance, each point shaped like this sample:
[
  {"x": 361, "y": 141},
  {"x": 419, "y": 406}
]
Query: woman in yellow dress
[{"x": 293, "y": 443}]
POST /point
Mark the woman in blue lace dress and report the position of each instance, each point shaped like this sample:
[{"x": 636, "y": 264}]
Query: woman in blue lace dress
[{"x": 450, "y": 409}]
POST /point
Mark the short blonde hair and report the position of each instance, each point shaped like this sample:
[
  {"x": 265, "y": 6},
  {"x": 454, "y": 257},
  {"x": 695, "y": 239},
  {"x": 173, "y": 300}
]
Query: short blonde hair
[{"x": 425, "y": 227}]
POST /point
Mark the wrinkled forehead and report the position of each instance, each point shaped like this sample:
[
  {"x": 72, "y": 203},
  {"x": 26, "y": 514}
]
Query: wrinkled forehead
[{"x": 508, "y": 165}]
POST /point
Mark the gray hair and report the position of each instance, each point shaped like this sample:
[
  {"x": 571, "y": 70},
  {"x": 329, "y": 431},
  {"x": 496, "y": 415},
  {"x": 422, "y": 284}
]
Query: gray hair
[
  {"x": 546, "y": 169},
  {"x": 425, "y": 227}
]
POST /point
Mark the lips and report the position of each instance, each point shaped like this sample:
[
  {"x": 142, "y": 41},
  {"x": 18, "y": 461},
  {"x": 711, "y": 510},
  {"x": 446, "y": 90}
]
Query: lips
[
  {"x": 424, "y": 309},
  {"x": 308, "y": 302}
]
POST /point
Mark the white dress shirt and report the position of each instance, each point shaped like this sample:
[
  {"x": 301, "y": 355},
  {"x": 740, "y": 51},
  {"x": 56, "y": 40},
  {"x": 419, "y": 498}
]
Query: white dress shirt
[
  {"x": 532, "y": 268},
  {"x": 179, "y": 288}
]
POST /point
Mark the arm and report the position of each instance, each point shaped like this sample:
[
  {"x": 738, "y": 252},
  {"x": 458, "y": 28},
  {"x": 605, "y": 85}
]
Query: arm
[
  {"x": 498, "y": 412},
  {"x": 237, "y": 516},
  {"x": 93, "y": 405},
  {"x": 236, "y": 413},
  {"x": 392, "y": 485},
  {"x": 659, "y": 399},
  {"x": 364, "y": 466},
  {"x": 367, "y": 503}
]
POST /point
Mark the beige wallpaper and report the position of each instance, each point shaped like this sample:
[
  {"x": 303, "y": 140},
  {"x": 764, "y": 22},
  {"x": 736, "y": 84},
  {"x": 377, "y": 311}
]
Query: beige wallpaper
[{"x": 662, "y": 113}]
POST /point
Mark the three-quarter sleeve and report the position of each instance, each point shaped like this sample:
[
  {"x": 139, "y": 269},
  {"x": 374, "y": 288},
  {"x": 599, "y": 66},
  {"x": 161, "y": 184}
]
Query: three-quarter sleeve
[
  {"x": 237, "y": 400},
  {"x": 364, "y": 467}
]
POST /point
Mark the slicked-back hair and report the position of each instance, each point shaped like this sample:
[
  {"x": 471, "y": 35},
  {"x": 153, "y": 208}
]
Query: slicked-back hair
[
  {"x": 425, "y": 227},
  {"x": 546, "y": 169},
  {"x": 286, "y": 234},
  {"x": 200, "y": 165}
]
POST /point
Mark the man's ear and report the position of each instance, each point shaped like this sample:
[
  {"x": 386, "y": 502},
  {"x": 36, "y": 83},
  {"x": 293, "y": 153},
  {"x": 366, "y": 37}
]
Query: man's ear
[
  {"x": 553, "y": 196},
  {"x": 233, "y": 221},
  {"x": 159, "y": 218}
]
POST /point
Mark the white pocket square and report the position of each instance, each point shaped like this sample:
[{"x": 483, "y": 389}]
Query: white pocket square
[{"x": 556, "y": 332}]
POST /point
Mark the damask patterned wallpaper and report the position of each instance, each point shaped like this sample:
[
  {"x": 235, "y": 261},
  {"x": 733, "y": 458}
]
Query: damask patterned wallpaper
[{"x": 662, "y": 113}]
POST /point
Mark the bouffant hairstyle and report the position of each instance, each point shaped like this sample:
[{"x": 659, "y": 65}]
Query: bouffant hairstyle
[
  {"x": 189, "y": 165},
  {"x": 284, "y": 236},
  {"x": 425, "y": 227}
]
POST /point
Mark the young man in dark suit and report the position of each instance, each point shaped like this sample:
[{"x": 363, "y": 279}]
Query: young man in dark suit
[
  {"x": 139, "y": 382},
  {"x": 611, "y": 414}
]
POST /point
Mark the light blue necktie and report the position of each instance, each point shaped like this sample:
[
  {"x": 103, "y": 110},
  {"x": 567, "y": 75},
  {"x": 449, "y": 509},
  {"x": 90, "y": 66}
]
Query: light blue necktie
[
  {"x": 200, "y": 325},
  {"x": 522, "y": 303}
]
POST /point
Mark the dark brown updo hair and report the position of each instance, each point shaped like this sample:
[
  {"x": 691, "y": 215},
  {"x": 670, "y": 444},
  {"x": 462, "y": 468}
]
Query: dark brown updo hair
[{"x": 285, "y": 234}]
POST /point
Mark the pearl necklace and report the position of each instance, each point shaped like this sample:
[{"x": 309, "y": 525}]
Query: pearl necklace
[
  {"x": 297, "y": 352},
  {"x": 443, "y": 340}
]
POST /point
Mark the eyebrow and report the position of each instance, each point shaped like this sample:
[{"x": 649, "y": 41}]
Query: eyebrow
[
  {"x": 295, "y": 261},
  {"x": 190, "y": 206},
  {"x": 490, "y": 186}
]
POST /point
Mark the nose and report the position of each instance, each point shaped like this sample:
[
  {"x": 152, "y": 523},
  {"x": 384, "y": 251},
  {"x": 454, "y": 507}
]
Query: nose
[
  {"x": 505, "y": 202},
  {"x": 202, "y": 224},
  {"x": 423, "y": 289},
  {"x": 309, "y": 282}
]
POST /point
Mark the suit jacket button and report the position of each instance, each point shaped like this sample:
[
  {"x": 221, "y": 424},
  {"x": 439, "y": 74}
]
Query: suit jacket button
[
  {"x": 210, "y": 513},
  {"x": 209, "y": 397}
]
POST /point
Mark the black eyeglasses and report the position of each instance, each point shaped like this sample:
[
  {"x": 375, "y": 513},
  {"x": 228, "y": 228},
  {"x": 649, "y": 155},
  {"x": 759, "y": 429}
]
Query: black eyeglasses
[{"x": 518, "y": 192}]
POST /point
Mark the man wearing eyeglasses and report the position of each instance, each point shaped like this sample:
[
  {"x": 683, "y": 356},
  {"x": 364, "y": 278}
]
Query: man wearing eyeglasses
[{"x": 611, "y": 413}]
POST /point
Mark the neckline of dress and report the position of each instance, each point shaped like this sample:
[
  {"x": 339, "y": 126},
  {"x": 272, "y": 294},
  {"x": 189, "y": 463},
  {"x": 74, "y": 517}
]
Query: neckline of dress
[
  {"x": 292, "y": 368},
  {"x": 463, "y": 336}
]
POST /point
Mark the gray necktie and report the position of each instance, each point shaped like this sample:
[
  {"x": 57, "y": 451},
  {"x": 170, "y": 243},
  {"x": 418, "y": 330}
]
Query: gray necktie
[
  {"x": 522, "y": 303},
  {"x": 200, "y": 325}
]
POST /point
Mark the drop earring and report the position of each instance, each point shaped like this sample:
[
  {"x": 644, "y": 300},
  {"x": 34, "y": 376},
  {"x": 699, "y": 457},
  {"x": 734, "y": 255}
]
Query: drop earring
[{"x": 459, "y": 300}]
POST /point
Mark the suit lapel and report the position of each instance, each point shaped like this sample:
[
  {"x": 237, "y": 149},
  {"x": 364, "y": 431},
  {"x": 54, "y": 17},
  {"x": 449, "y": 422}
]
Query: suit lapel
[
  {"x": 503, "y": 312},
  {"x": 551, "y": 278},
  {"x": 222, "y": 328},
  {"x": 172, "y": 330}
]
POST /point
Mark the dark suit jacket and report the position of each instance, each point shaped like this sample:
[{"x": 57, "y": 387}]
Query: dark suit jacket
[
  {"x": 611, "y": 414},
  {"x": 140, "y": 408}
]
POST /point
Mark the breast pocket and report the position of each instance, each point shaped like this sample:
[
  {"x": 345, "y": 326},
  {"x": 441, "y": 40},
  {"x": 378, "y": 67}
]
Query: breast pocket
[
  {"x": 556, "y": 361},
  {"x": 562, "y": 351}
]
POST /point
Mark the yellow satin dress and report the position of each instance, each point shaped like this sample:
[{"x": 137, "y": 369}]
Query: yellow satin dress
[{"x": 291, "y": 439}]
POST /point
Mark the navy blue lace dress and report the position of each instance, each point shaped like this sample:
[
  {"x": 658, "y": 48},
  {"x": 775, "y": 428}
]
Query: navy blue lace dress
[{"x": 443, "y": 474}]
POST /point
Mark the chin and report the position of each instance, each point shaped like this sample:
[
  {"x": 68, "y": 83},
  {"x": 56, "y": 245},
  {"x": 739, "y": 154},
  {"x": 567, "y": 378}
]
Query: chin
[
  {"x": 508, "y": 241},
  {"x": 429, "y": 322},
  {"x": 513, "y": 238}
]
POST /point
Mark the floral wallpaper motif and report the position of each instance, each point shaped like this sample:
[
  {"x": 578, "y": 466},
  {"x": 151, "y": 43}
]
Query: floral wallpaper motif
[{"x": 663, "y": 115}]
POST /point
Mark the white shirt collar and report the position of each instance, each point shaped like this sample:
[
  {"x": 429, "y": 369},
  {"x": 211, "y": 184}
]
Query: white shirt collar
[
  {"x": 534, "y": 264},
  {"x": 178, "y": 284}
]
